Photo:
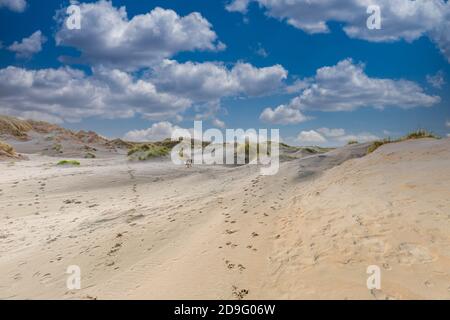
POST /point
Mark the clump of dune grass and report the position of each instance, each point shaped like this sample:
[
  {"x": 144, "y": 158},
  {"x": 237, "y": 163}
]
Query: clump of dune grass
[
  {"x": 352, "y": 142},
  {"x": 147, "y": 151},
  {"x": 376, "y": 144},
  {"x": 69, "y": 162},
  {"x": 418, "y": 134},
  {"x": 90, "y": 155},
  {"x": 6, "y": 148},
  {"x": 15, "y": 127}
]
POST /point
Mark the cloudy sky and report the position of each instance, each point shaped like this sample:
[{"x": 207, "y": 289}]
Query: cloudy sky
[{"x": 313, "y": 69}]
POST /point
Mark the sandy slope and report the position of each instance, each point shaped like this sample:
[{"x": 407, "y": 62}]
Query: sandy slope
[{"x": 152, "y": 230}]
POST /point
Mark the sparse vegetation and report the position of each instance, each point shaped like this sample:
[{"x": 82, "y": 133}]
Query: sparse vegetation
[
  {"x": 7, "y": 150},
  {"x": 90, "y": 155},
  {"x": 352, "y": 142},
  {"x": 69, "y": 162},
  {"x": 147, "y": 151},
  {"x": 14, "y": 127},
  {"x": 419, "y": 134},
  {"x": 310, "y": 150},
  {"x": 57, "y": 148}
]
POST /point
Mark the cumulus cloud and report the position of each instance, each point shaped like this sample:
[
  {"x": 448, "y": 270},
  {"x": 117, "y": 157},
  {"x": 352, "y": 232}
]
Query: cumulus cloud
[
  {"x": 207, "y": 81},
  {"x": 345, "y": 87},
  {"x": 109, "y": 37},
  {"x": 26, "y": 48},
  {"x": 401, "y": 19},
  {"x": 447, "y": 123},
  {"x": 311, "y": 136},
  {"x": 157, "y": 132},
  {"x": 14, "y": 5},
  {"x": 436, "y": 80},
  {"x": 359, "y": 137},
  {"x": 69, "y": 95},
  {"x": 238, "y": 6},
  {"x": 282, "y": 115},
  {"x": 333, "y": 137}
]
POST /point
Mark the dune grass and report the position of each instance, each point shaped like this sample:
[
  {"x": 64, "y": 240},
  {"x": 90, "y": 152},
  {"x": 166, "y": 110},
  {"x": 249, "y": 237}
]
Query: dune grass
[
  {"x": 418, "y": 134},
  {"x": 148, "y": 151},
  {"x": 15, "y": 127},
  {"x": 352, "y": 142},
  {"x": 69, "y": 162},
  {"x": 6, "y": 147}
]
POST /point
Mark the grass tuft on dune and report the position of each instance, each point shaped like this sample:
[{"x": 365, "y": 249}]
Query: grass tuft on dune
[
  {"x": 418, "y": 134},
  {"x": 147, "y": 151},
  {"x": 7, "y": 150},
  {"x": 69, "y": 162}
]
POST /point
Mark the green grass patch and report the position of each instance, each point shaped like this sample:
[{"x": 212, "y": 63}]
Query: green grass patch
[
  {"x": 69, "y": 162},
  {"x": 148, "y": 151}
]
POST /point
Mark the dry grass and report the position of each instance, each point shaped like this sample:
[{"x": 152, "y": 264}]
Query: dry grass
[
  {"x": 418, "y": 134},
  {"x": 147, "y": 151},
  {"x": 14, "y": 127},
  {"x": 69, "y": 162},
  {"x": 6, "y": 150}
]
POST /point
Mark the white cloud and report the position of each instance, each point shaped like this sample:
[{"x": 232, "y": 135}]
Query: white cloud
[
  {"x": 283, "y": 115},
  {"x": 69, "y": 95},
  {"x": 401, "y": 19},
  {"x": 332, "y": 133},
  {"x": 109, "y": 37},
  {"x": 157, "y": 132},
  {"x": 258, "y": 81},
  {"x": 345, "y": 87},
  {"x": 447, "y": 123},
  {"x": 360, "y": 137},
  {"x": 436, "y": 80},
  {"x": 260, "y": 51},
  {"x": 333, "y": 137},
  {"x": 311, "y": 136},
  {"x": 14, "y": 5},
  {"x": 297, "y": 86},
  {"x": 28, "y": 46},
  {"x": 218, "y": 123},
  {"x": 165, "y": 93},
  {"x": 238, "y": 6},
  {"x": 207, "y": 81}
]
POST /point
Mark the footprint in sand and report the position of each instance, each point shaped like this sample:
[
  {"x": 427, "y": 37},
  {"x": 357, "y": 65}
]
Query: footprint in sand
[{"x": 239, "y": 293}]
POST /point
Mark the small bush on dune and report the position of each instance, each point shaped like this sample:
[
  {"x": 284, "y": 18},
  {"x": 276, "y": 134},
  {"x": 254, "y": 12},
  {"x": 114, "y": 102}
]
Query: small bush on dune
[
  {"x": 68, "y": 162},
  {"x": 352, "y": 142}
]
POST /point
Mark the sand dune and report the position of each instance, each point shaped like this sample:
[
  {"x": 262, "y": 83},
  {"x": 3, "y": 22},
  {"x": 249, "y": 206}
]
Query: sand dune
[{"x": 150, "y": 230}]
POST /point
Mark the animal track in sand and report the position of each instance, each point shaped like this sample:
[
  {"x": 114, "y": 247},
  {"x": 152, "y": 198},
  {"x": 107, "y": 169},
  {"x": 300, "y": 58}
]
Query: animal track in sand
[{"x": 239, "y": 293}]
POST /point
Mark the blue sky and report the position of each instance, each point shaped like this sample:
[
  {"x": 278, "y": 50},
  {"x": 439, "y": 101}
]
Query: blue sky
[{"x": 249, "y": 65}]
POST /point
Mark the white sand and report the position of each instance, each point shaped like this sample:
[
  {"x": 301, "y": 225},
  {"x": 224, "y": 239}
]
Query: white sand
[{"x": 154, "y": 231}]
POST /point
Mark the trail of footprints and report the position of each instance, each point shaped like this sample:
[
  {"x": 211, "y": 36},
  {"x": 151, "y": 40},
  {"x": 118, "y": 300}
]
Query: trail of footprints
[{"x": 255, "y": 190}]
